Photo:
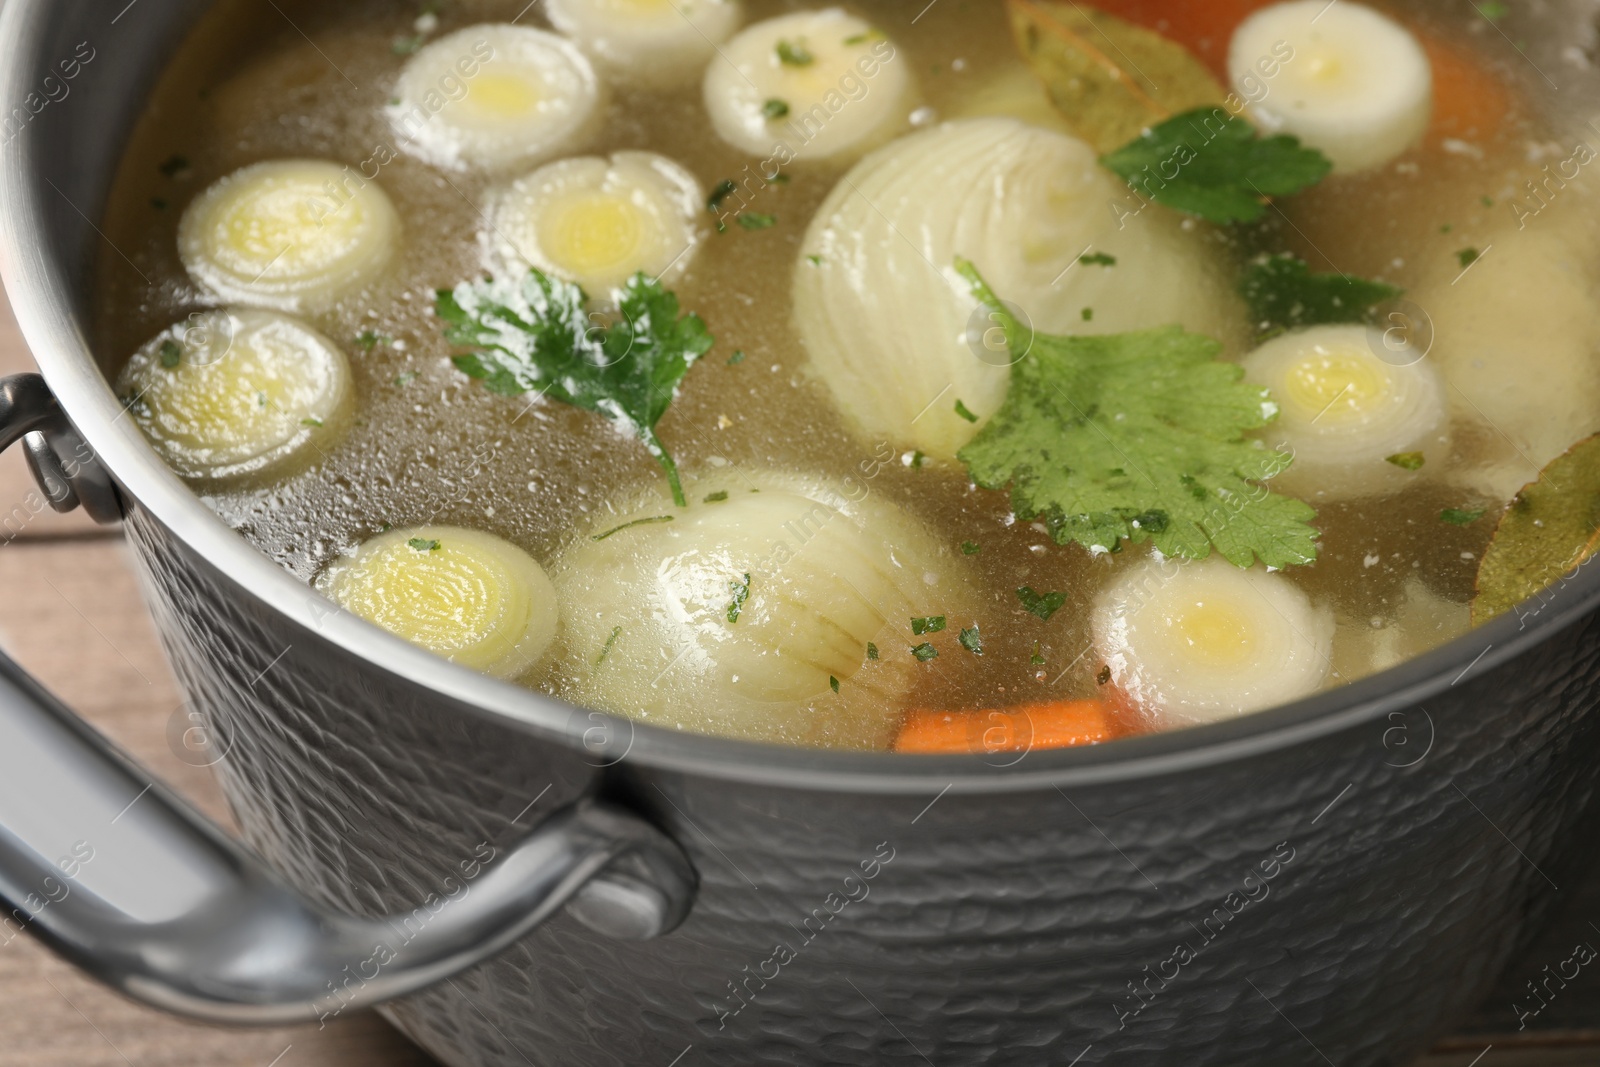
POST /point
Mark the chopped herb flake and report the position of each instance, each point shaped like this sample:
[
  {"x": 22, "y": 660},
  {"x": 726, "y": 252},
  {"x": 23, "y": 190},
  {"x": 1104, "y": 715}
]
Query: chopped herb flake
[
  {"x": 737, "y": 358},
  {"x": 917, "y": 460},
  {"x": 814, "y": 260},
  {"x": 972, "y": 640},
  {"x": 970, "y": 548},
  {"x": 311, "y": 421},
  {"x": 610, "y": 643},
  {"x": 833, "y": 683},
  {"x": 774, "y": 109},
  {"x": 791, "y": 54},
  {"x": 406, "y": 46},
  {"x": 1493, "y": 10},
  {"x": 1488, "y": 201},
  {"x": 1088, "y": 314},
  {"x": 961, "y": 409},
  {"x": 1408, "y": 461},
  {"x": 536, "y": 334},
  {"x": 1037, "y": 659},
  {"x": 924, "y": 652},
  {"x": 422, "y": 544},
  {"x": 725, "y": 188},
  {"x": 174, "y": 167},
  {"x": 630, "y": 525},
  {"x": 1225, "y": 171},
  {"x": 756, "y": 220},
  {"x": 741, "y": 593},
  {"x": 872, "y": 650},
  {"x": 1284, "y": 294},
  {"x": 1098, "y": 259},
  {"x": 171, "y": 354},
  {"x": 370, "y": 339},
  {"x": 932, "y": 624},
  {"x": 1461, "y": 516},
  {"x": 1467, "y": 257},
  {"x": 403, "y": 380},
  {"x": 1044, "y": 605},
  {"x": 718, "y": 497}
]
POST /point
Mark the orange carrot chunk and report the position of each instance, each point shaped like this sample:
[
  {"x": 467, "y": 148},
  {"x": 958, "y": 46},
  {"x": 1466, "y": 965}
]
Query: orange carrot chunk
[{"x": 1060, "y": 724}]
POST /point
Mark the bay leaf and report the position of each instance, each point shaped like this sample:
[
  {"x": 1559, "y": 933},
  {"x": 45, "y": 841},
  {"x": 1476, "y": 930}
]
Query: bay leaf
[
  {"x": 1110, "y": 79},
  {"x": 1551, "y": 528}
]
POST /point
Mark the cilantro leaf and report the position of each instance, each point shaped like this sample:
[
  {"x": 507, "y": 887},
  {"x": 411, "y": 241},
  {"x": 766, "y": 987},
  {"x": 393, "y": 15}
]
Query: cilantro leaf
[
  {"x": 1138, "y": 436},
  {"x": 1283, "y": 294},
  {"x": 536, "y": 334},
  {"x": 1212, "y": 164}
]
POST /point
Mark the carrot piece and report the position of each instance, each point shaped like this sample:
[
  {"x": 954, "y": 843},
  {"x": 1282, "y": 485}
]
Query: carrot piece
[
  {"x": 1469, "y": 102},
  {"x": 1061, "y": 724}
]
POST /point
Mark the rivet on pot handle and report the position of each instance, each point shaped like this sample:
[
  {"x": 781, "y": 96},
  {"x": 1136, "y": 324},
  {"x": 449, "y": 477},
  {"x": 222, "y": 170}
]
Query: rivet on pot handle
[
  {"x": 130, "y": 883},
  {"x": 63, "y": 464}
]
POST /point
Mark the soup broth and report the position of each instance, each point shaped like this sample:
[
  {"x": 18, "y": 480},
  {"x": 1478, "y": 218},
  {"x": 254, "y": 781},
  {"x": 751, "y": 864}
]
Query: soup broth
[{"x": 999, "y": 615}]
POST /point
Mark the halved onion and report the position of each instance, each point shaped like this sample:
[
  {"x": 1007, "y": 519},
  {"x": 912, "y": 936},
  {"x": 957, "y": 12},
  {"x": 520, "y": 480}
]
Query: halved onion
[
  {"x": 1358, "y": 87},
  {"x": 736, "y": 615},
  {"x": 648, "y": 42},
  {"x": 1343, "y": 411},
  {"x": 495, "y": 97},
  {"x": 597, "y": 222},
  {"x": 467, "y": 596},
  {"x": 1200, "y": 642},
  {"x": 822, "y": 83},
  {"x": 237, "y": 391},
  {"x": 294, "y": 234},
  {"x": 1515, "y": 336},
  {"x": 888, "y": 323}
]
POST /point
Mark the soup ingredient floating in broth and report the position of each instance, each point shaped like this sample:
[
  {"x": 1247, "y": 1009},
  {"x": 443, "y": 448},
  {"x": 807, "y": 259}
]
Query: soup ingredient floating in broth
[
  {"x": 738, "y": 616},
  {"x": 296, "y": 235},
  {"x": 1346, "y": 412},
  {"x": 599, "y": 222},
  {"x": 467, "y": 596},
  {"x": 809, "y": 86},
  {"x": 1188, "y": 643},
  {"x": 1138, "y": 436},
  {"x": 894, "y": 331},
  {"x": 535, "y": 334},
  {"x": 236, "y": 392},
  {"x": 495, "y": 98},
  {"x": 1028, "y": 728},
  {"x": 648, "y": 42},
  {"x": 1359, "y": 87}
]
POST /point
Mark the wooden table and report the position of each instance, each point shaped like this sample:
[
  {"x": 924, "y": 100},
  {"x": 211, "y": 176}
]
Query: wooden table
[{"x": 73, "y": 615}]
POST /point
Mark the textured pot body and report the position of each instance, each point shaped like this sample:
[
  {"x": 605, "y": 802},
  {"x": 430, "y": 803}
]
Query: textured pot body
[
  {"x": 1362, "y": 889},
  {"x": 1333, "y": 882}
]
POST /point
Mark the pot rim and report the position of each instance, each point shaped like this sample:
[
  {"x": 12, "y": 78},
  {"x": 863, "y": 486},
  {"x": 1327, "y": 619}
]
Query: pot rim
[{"x": 37, "y": 287}]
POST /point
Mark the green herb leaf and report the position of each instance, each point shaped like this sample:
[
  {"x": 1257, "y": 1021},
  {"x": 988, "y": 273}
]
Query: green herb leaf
[
  {"x": 872, "y": 650},
  {"x": 1467, "y": 257},
  {"x": 972, "y": 640},
  {"x": 924, "y": 652},
  {"x": 370, "y": 339},
  {"x": 833, "y": 683},
  {"x": 652, "y": 520},
  {"x": 814, "y": 260},
  {"x": 1408, "y": 461},
  {"x": 1037, "y": 659},
  {"x": 718, "y": 497},
  {"x": 1461, "y": 516},
  {"x": 171, "y": 354},
  {"x": 1224, "y": 171},
  {"x": 1284, "y": 294},
  {"x": 791, "y": 54},
  {"x": 918, "y": 458},
  {"x": 970, "y": 548},
  {"x": 311, "y": 421},
  {"x": 1138, "y": 436},
  {"x": 737, "y": 358},
  {"x": 535, "y": 334},
  {"x": 961, "y": 409},
  {"x": 774, "y": 109},
  {"x": 1098, "y": 259},
  {"x": 422, "y": 544},
  {"x": 930, "y": 625},
  {"x": 755, "y": 220},
  {"x": 610, "y": 643},
  {"x": 741, "y": 593},
  {"x": 725, "y": 188},
  {"x": 1088, "y": 314},
  {"x": 1044, "y": 605}
]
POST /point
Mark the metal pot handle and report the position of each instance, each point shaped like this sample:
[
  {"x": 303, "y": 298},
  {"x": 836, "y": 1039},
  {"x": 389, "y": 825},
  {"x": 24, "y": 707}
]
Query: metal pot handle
[{"x": 129, "y": 882}]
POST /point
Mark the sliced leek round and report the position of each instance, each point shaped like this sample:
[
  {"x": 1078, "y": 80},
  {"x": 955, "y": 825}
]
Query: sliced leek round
[
  {"x": 737, "y": 615},
  {"x": 820, "y": 83},
  {"x": 495, "y": 98},
  {"x": 468, "y": 596},
  {"x": 893, "y": 330},
  {"x": 1190, "y": 643},
  {"x": 1349, "y": 415},
  {"x": 237, "y": 391},
  {"x": 599, "y": 221},
  {"x": 295, "y": 235},
  {"x": 648, "y": 42},
  {"x": 1359, "y": 86}
]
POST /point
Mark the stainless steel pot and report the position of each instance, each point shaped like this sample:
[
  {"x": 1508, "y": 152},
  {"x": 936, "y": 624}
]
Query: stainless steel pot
[{"x": 1334, "y": 881}]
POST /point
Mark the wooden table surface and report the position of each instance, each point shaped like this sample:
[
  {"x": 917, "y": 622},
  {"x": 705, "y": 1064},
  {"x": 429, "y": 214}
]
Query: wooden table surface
[{"x": 72, "y": 615}]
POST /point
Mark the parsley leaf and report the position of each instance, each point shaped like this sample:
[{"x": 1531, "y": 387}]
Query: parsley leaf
[
  {"x": 924, "y": 652},
  {"x": 1223, "y": 170},
  {"x": 1461, "y": 516},
  {"x": 1099, "y": 259},
  {"x": 423, "y": 544},
  {"x": 535, "y": 334},
  {"x": 931, "y": 625},
  {"x": 757, "y": 220},
  {"x": 972, "y": 640},
  {"x": 1408, "y": 461},
  {"x": 1138, "y": 436},
  {"x": 1283, "y": 294},
  {"x": 872, "y": 650},
  {"x": 741, "y": 594},
  {"x": 792, "y": 54},
  {"x": 774, "y": 109},
  {"x": 1043, "y": 605}
]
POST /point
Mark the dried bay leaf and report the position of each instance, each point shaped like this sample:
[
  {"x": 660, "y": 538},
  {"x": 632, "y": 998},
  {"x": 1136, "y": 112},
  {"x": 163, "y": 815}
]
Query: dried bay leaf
[
  {"x": 1109, "y": 78},
  {"x": 1551, "y": 528}
]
